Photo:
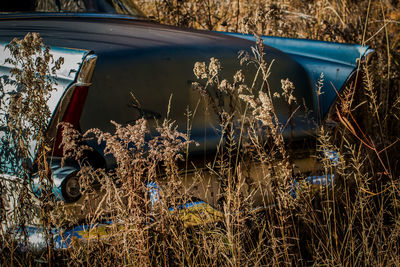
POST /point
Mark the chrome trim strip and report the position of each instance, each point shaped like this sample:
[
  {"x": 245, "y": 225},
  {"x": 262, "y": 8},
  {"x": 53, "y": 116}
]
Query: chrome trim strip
[{"x": 86, "y": 71}]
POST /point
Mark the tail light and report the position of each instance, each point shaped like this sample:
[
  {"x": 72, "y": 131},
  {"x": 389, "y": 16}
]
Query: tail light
[
  {"x": 72, "y": 115},
  {"x": 72, "y": 112}
]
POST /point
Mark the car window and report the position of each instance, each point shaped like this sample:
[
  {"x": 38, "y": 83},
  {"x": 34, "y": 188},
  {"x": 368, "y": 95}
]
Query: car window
[{"x": 126, "y": 7}]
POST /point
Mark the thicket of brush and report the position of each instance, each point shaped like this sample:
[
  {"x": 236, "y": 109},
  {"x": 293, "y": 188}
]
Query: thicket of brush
[{"x": 356, "y": 221}]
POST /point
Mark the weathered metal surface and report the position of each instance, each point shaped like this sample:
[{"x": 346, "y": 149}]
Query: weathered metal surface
[{"x": 154, "y": 62}]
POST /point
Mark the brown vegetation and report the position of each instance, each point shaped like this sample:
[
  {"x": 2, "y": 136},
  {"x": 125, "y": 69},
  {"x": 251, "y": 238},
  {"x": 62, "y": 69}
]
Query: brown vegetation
[{"x": 353, "y": 222}]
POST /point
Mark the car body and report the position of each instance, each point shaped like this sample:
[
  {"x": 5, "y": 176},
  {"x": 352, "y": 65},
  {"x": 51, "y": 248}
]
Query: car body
[{"x": 111, "y": 55}]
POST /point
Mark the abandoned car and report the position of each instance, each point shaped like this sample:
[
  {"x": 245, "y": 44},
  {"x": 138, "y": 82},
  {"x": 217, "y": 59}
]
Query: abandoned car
[{"x": 111, "y": 50}]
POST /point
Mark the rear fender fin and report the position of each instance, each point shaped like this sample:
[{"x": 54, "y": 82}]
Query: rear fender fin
[{"x": 337, "y": 61}]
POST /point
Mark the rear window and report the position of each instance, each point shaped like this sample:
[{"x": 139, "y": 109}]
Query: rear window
[{"x": 125, "y": 7}]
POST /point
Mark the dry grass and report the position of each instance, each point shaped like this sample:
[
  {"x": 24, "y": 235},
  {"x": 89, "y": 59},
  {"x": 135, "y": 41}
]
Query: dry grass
[{"x": 353, "y": 222}]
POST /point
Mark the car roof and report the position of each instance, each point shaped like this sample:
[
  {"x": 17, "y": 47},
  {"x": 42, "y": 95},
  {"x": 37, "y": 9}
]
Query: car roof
[{"x": 121, "y": 7}]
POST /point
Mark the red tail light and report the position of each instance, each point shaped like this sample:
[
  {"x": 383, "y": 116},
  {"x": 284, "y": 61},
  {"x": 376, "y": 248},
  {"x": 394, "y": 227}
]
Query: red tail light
[{"x": 72, "y": 115}]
